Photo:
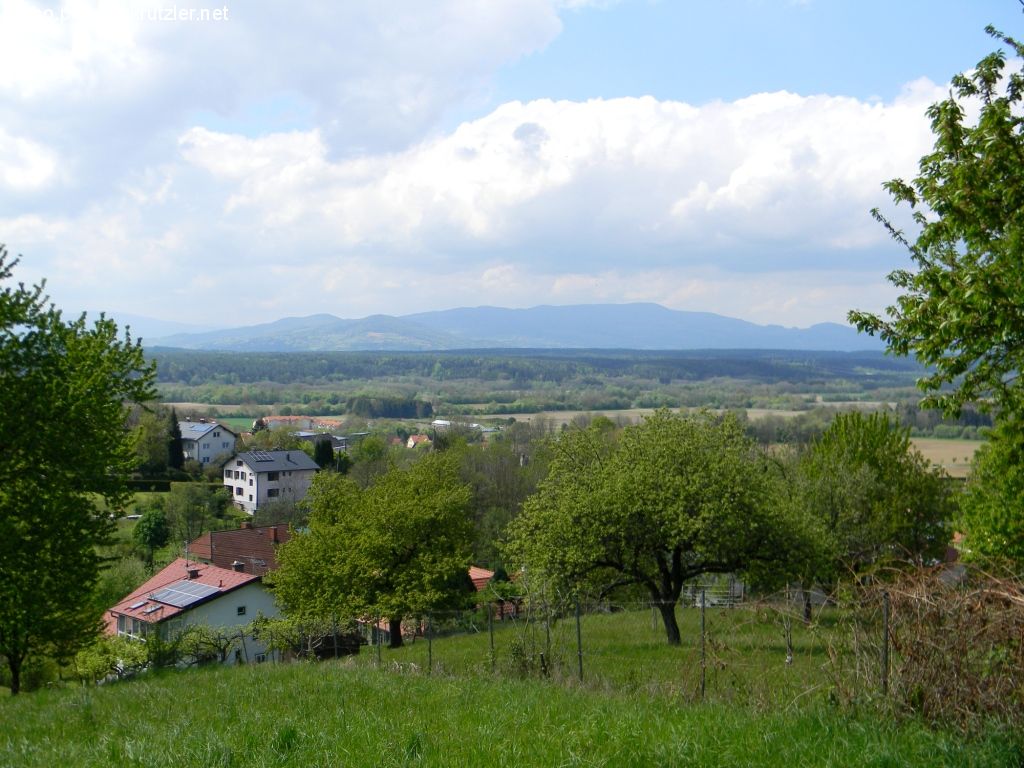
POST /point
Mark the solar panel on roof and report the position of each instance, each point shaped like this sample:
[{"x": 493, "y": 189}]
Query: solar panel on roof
[
  {"x": 152, "y": 609},
  {"x": 261, "y": 456},
  {"x": 136, "y": 605},
  {"x": 182, "y": 594}
]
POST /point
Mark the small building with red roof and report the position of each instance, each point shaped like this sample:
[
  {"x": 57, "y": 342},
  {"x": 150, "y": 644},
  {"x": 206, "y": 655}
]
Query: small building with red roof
[
  {"x": 186, "y": 593},
  {"x": 249, "y": 549}
]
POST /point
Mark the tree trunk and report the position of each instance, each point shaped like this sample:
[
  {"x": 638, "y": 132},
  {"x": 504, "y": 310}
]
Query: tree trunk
[
  {"x": 807, "y": 605},
  {"x": 668, "y": 616},
  {"x": 14, "y": 665},
  {"x": 395, "y": 630}
]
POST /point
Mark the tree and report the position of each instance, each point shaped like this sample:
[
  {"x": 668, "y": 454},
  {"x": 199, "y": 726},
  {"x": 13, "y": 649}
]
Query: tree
[
  {"x": 175, "y": 448},
  {"x": 961, "y": 311},
  {"x": 191, "y": 507},
  {"x": 654, "y": 505},
  {"x": 152, "y": 531},
  {"x": 323, "y": 452},
  {"x": 991, "y": 507},
  {"x": 877, "y": 498},
  {"x": 391, "y": 550},
  {"x": 64, "y": 440}
]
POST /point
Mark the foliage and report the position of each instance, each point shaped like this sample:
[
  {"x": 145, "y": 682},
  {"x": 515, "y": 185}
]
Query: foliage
[
  {"x": 175, "y": 446},
  {"x": 390, "y": 550},
  {"x": 961, "y": 311},
  {"x": 281, "y": 512},
  {"x": 323, "y": 453},
  {"x": 655, "y": 505},
  {"x": 877, "y": 500},
  {"x": 151, "y": 441},
  {"x": 192, "y": 507},
  {"x": 117, "y": 579},
  {"x": 58, "y": 378},
  {"x": 992, "y": 506},
  {"x": 110, "y": 657},
  {"x": 152, "y": 531}
]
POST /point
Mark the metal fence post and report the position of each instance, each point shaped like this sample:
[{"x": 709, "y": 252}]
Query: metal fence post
[
  {"x": 703, "y": 653},
  {"x": 579, "y": 640},
  {"x": 380, "y": 640},
  {"x": 885, "y": 643},
  {"x": 490, "y": 630}
]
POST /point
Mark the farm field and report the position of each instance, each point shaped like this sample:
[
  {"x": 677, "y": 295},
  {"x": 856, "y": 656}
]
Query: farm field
[
  {"x": 952, "y": 455},
  {"x": 334, "y": 713}
]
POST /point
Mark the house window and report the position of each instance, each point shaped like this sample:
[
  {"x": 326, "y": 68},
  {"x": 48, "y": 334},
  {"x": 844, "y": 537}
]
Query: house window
[
  {"x": 227, "y": 474},
  {"x": 206, "y": 445},
  {"x": 250, "y": 482},
  {"x": 238, "y": 491},
  {"x": 216, "y": 434},
  {"x": 272, "y": 476},
  {"x": 238, "y": 463},
  {"x": 250, "y": 497},
  {"x": 272, "y": 493},
  {"x": 241, "y": 610},
  {"x": 260, "y": 658},
  {"x": 225, "y": 445},
  {"x": 206, "y": 459}
]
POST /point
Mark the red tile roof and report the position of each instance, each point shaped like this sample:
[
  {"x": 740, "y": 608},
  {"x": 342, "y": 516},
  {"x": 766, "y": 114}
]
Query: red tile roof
[
  {"x": 223, "y": 579},
  {"x": 480, "y": 576}
]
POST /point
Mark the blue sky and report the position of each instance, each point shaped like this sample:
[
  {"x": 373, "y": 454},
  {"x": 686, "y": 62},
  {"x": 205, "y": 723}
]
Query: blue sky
[{"x": 401, "y": 156}]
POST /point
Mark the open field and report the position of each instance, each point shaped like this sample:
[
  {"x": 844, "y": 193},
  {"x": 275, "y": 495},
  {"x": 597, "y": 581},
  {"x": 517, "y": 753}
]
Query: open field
[
  {"x": 333, "y": 713},
  {"x": 952, "y": 455}
]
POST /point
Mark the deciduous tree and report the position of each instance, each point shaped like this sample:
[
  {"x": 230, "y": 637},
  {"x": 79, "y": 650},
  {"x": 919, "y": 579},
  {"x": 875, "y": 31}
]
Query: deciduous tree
[
  {"x": 64, "y": 441},
  {"x": 961, "y": 308},
  {"x": 656, "y": 505},
  {"x": 391, "y": 550}
]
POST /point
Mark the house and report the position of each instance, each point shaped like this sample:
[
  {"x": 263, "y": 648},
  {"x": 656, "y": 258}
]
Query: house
[
  {"x": 255, "y": 478},
  {"x": 249, "y": 549},
  {"x": 204, "y": 440},
  {"x": 415, "y": 440},
  {"x": 188, "y": 593}
]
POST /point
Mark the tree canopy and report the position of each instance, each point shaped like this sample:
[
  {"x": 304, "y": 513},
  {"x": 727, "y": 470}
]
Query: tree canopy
[
  {"x": 961, "y": 311},
  {"x": 990, "y": 508},
  {"x": 64, "y": 441},
  {"x": 655, "y": 505},
  {"x": 394, "y": 549},
  {"x": 876, "y": 498}
]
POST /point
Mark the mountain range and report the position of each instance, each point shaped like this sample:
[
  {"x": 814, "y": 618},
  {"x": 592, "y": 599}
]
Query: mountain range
[{"x": 585, "y": 326}]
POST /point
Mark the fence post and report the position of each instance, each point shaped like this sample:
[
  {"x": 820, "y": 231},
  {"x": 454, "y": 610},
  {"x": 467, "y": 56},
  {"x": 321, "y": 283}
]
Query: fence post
[
  {"x": 579, "y": 640},
  {"x": 547, "y": 629},
  {"x": 380, "y": 639},
  {"x": 703, "y": 655},
  {"x": 334, "y": 635},
  {"x": 490, "y": 630},
  {"x": 885, "y": 643},
  {"x": 430, "y": 648}
]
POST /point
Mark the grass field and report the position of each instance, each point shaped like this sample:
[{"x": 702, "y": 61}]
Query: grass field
[{"x": 334, "y": 713}]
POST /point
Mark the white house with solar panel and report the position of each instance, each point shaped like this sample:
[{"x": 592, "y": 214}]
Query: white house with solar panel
[
  {"x": 255, "y": 478},
  {"x": 187, "y": 593},
  {"x": 206, "y": 441}
]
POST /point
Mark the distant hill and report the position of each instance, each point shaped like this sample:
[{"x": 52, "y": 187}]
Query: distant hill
[{"x": 590, "y": 326}]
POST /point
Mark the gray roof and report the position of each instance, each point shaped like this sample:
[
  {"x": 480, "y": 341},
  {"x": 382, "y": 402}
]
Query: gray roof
[
  {"x": 193, "y": 430},
  {"x": 277, "y": 461}
]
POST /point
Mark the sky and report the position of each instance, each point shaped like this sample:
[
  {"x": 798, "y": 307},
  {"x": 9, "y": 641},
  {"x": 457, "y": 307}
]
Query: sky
[{"x": 234, "y": 163}]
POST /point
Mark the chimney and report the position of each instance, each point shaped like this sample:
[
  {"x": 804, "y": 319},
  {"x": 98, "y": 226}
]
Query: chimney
[
  {"x": 193, "y": 573},
  {"x": 238, "y": 566},
  {"x": 246, "y": 525},
  {"x": 273, "y": 534}
]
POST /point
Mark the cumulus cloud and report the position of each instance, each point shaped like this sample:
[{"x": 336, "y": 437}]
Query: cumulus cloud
[{"x": 295, "y": 157}]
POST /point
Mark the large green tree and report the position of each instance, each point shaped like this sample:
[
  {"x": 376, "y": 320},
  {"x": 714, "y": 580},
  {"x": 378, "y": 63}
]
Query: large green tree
[
  {"x": 64, "y": 442},
  {"x": 877, "y": 498},
  {"x": 961, "y": 308},
  {"x": 654, "y": 505},
  {"x": 394, "y": 549}
]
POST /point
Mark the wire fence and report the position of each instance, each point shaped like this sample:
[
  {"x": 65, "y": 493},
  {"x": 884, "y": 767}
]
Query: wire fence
[{"x": 947, "y": 645}]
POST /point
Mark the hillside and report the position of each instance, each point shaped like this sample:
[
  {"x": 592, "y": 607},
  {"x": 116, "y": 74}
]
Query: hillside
[
  {"x": 333, "y": 714},
  {"x": 593, "y": 326}
]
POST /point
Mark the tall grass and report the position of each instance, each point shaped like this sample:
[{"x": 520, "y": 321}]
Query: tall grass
[{"x": 338, "y": 713}]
